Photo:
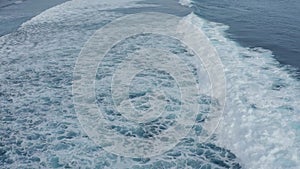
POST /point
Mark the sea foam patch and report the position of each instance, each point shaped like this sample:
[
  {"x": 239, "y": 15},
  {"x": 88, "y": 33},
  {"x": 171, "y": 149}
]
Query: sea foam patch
[
  {"x": 96, "y": 125},
  {"x": 262, "y": 103},
  {"x": 39, "y": 126},
  {"x": 185, "y": 3}
]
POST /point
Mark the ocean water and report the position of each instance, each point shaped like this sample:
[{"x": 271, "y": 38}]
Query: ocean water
[
  {"x": 15, "y": 12},
  {"x": 39, "y": 127},
  {"x": 272, "y": 25}
]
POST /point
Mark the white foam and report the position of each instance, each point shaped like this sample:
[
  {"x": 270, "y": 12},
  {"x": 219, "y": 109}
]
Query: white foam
[
  {"x": 77, "y": 8},
  {"x": 262, "y": 104},
  {"x": 261, "y": 125},
  {"x": 37, "y": 63},
  {"x": 185, "y": 3},
  {"x": 18, "y": 2}
]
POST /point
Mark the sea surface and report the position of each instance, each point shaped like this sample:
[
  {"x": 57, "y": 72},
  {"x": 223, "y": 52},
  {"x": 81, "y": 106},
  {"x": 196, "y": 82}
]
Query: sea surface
[
  {"x": 15, "y": 12},
  {"x": 258, "y": 45},
  {"x": 273, "y": 25}
]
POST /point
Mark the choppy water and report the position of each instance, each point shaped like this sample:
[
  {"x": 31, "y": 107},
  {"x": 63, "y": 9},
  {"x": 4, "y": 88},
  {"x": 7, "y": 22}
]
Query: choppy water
[{"x": 39, "y": 126}]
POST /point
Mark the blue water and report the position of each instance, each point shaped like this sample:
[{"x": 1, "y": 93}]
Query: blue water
[
  {"x": 273, "y": 25},
  {"x": 15, "y": 12},
  {"x": 38, "y": 122}
]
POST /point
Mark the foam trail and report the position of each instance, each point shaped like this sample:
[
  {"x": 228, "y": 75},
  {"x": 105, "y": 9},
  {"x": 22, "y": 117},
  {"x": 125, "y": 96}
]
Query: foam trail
[
  {"x": 39, "y": 126},
  {"x": 261, "y": 119},
  {"x": 38, "y": 122}
]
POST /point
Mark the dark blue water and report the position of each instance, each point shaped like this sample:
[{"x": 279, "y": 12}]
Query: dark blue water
[
  {"x": 15, "y": 12},
  {"x": 270, "y": 24}
]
